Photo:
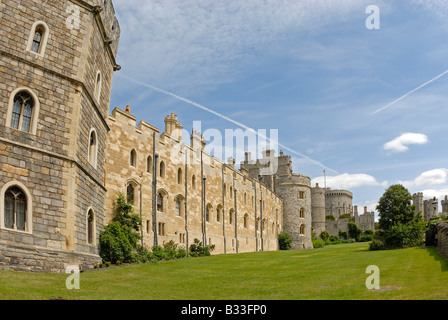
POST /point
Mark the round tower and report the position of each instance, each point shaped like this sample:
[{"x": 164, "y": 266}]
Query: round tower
[
  {"x": 295, "y": 190},
  {"x": 318, "y": 209}
]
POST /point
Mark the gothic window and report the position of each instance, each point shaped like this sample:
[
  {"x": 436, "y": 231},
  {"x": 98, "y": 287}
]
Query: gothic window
[
  {"x": 98, "y": 86},
  {"x": 208, "y": 211},
  {"x": 22, "y": 111},
  {"x": 302, "y": 213},
  {"x": 179, "y": 203},
  {"x": 93, "y": 148},
  {"x": 231, "y": 213},
  {"x": 90, "y": 227},
  {"x": 246, "y": 221},
  {"x": 218, "y": 213},
  {"x": 302, "y": 229},
  {"x": 130, "y": 193},
  {"x": 37, "y": 40},
  {"x": 160, "y": 201},
  {"x": 133, "y": 158},
  {"x": 193, "y": 182},
  {"x": 162, "y": 169},
  {"x": 179, "y": 176},
  {"x": 15, "y": 215}
]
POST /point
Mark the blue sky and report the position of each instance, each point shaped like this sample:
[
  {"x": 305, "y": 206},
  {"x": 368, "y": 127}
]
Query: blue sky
[{"x": 310, "y": 69}]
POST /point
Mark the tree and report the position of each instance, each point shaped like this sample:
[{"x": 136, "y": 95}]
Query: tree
[{"x": 395, "y": 207}]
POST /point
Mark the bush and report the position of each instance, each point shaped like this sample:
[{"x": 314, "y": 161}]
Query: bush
[
  {"x": 400, "y": 236},
  {"x": 318, "y": 243},
  {"x": 197, "y": 249},
  {"x": 377, "y": 244},
  {"x": 324, "y": 235},
  {"x": 116, "y": 243},
  {"x": 345, "y": 216},
  {"x": 284, "y": 241},
  {"x": 329, "y": 217},
  {"x": 365, "y": 238},
  {"x": 353, "y": 231},
  {"x": 343, "y": 235}
]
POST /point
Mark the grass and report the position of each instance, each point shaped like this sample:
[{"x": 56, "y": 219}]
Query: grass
[{"x": 330, "y": 273}]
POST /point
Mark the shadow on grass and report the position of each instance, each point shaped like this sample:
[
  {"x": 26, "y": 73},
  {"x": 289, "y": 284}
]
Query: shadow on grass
[{"x": 437, "y": 257}]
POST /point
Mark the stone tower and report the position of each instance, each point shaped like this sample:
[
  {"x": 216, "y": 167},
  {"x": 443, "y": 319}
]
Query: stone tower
[
  {"x": 318, "y": 209},
  {"x": 417, "y": 200},
  {"x": 57, "y": 60},
  {"x": 294, "y": 189},
  {"x": 445, "y": 205}
]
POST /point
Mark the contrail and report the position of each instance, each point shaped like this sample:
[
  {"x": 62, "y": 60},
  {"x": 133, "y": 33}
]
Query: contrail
[
  {"x": 409, "y": 93},
  {"x": 225, "y": 118}
]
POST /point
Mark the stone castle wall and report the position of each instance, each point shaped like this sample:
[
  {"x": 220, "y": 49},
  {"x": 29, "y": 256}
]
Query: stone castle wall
[
  {"x": 442, "y": 239},
  {"x": 256, "y": 208}
]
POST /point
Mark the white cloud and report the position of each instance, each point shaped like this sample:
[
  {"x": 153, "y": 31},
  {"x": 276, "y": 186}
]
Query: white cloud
[
  {"x": 203, "y": 43},
  {"x": 348, "y": 181},
  {"x": 401, "y": 143},
  {"x": 435, "y": 177}
]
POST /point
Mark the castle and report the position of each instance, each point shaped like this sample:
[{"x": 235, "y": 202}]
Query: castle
[
  {"x": 429, "y": 208},
  {"x": 64, "y": 158}
]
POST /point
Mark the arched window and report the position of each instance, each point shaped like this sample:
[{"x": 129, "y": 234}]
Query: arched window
[
  {"x": 162, "y": 169},
  {"x": 231, "y": 192},
  {"x": 245, "y": 196},
  {"x": 130, "y": 193},
  {"x": 16, "y": 207},
  {"x": 302, "y": 213},
  {"x": 22, "y": 111},
  {"x": 37, "y": 41},
  {"x": 149, "y": 164},
  {"x": 231, "y": 213},
  {"x": 179, "y": 205},
  {"x": 246, "y": 217},
  {"x": 90, "y": 227},
  {"x": 98, "y": 86},
  {"x": 179, "y": 176},
  {"x": 218, "y": 213},
  {"x": 208, "y": 212},
  {"x": 160, "y": 202},
  {"x": 302, "y": 229},
  {"x": 193, "y": 182},
  {"x": 133, "y": 158},
  {"x": 92, "y": 152}
]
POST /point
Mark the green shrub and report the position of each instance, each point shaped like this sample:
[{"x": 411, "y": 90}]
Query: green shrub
[
  {"x": 119, "y": 240},
  {"x": 197, "y": 249},
  {"x": 345, "y": 216},
  {"x": 318, "y": 243},
  {"x": 369, "y": 232},
  {"x": 324, "y": 235},
  {"x": 329, "y": 217},
  {"x": 377, "y": 244},
  {"x": 365, "y": 238},
  {"x": 353, "y": 231},
  {"x": 343, "y": 235},
  {"x": 284, "y": 241}
]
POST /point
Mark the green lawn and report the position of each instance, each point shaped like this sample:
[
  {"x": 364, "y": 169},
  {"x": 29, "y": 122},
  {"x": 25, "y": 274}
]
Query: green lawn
[{"x": 333, "y": 272}]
